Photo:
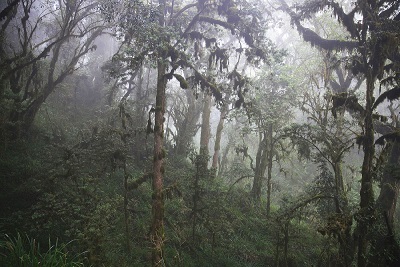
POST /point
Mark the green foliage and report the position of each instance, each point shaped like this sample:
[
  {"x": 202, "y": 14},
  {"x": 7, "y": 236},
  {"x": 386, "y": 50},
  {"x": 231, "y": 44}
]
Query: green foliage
[{"x": 26, "y": 252}]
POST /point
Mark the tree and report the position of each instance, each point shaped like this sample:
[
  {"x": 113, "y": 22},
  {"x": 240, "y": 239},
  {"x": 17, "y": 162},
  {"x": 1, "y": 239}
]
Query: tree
[
  {"x": 171, "y": 36},
  {"x": 375, "y": 45},
  {"x": 326, "y": 142},
  {"x": 42, "y": 44},
  {"x": 269, "y": 111},
  {"x": 185, "y": 113}
]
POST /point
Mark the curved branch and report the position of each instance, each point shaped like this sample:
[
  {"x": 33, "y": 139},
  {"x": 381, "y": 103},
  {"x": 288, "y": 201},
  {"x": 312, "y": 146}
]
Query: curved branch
[
  {"x": 213, "y": 21},
  {"x": 313, "y": 38},
  {"x": 183, "y": 10},
  {"x": 238, "y": 180}
]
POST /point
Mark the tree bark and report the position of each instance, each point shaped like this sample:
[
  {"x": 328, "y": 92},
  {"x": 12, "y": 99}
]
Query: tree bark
[
  {"x": 224, "y": 160},
  {"x": 205, "y": 125},
  {"x": 157, "y": 226},
  {"x": 385, "y": 249},
  {"x": 259, "y": 170},
  {"x": 366, "y": 191},
  {"x": 270, "y": 156},
  {"x": 187, "y": 128},
  {"x": 218, "y": 135}
]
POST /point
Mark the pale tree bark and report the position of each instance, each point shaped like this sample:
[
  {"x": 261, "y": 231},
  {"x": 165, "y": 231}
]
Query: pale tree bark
[
  {"x": 260, "y": 168},
  {"x": 187, "y": 127},
  {"x": 224, "y": 160},
  {"x": 201, "y": 162},
  {"x": 218, "y": 136},
  {"x": 205, "y": 125}
]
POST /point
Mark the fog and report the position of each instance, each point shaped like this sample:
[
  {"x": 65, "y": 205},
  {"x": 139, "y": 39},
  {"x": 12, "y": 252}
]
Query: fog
[{"x": 199, "y": 133}]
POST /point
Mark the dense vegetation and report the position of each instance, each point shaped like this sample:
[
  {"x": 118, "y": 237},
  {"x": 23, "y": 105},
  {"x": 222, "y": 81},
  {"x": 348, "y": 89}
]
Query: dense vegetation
[{"x": 199, "y": 133}]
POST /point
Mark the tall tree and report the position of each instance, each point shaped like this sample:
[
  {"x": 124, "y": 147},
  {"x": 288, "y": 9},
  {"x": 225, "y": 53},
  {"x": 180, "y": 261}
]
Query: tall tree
[
  {"x": 372, "y": 28},
  {"x": 42, "y": 43},
  {"x": 173, "y": 36},
  {"x": 269, "y": 111},
  {"x": 185, "y": 113}
]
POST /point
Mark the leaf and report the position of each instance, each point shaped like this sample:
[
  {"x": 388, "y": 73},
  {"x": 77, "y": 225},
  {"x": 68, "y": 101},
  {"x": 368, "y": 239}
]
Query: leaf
[{"x": 391, "y": 95}]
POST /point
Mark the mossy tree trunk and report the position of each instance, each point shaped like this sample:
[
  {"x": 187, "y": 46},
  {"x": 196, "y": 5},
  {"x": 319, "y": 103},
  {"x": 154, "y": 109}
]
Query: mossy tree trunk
[
  {"x": 260, "y": 168},
  {"x": 187, "y": 126},
  {"x": 218, "y": 134},
  {"x": 270, "y": 156},
  {"x": 157, "y": 225},
  {"x": 205, "y": 125},
  {"x": 366, "y": 191},
  {"x": 385, "y": 248}
]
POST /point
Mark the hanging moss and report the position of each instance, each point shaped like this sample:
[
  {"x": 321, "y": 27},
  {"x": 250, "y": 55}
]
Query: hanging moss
[
  {"x": 357, "y": 67},
  {"x": 360, "y": 140},
  {"x": 207, "y": 85},
  {"x": 221, "y": 23},
  {"x": 347, "y": 101},
  {"x": 168, "y": 76},
  {"x": 182, "y": 82},
  {"x": 315, "y": 40},
  {"x": 9, "y": 9},
  {"x": 394, "y": 136},
  {"x": 210, "y": 41},
  {"x": 219, "y": 56},
  {"x": 195, "y": 35},
  {"x": 173, "y": 53}
]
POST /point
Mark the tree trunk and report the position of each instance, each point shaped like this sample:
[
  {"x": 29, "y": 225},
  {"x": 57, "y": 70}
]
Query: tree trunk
[
  {"x": 187, "y": 128},
  {"x": 286, "y": 243},
  {"x": 201, "y": 162},
  {"x": 218, "y": 135},
  {"x": 205, "y": 125},
  {"x": 259, "y": 171},
  {"x": 224, "y": 160},
  {"x": 157, "y": 226},
  {"x": 22, "y": 120},
  {"x": 385, "y": 249},
  {"x": 269, "y": 167},
  {"x": 346, "y": 244},
  {"x": 366, "y": 191},
  {"x": 126, "y": 212}
]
